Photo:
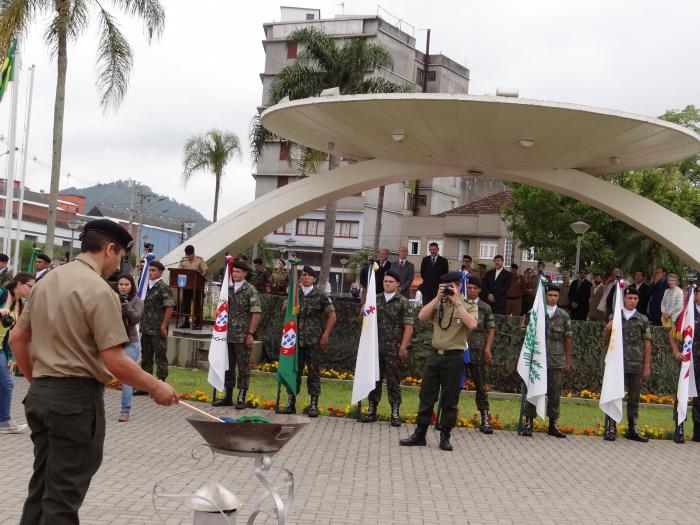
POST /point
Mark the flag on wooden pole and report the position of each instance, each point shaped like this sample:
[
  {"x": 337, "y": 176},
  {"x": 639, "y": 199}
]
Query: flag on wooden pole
[
  {"x": 686, "y": 378},
  {"x": 288, "y": 363},
  {"x": 143, "y": 280},
  {"x": 532, "y": 364},
  {"x": 7, "y": 71},
  {"x": 614, "y": 376},
  {"x": 367, "y": 365},
  {"x": 218, "y": 347}
]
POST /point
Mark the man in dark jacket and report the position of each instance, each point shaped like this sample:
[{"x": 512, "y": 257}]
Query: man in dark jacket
[
  {"x": 658, "y": 288},
  {"x": 580, "y": 296},
  {"x": 496, "y": 286},
  {"x": 432, "y": 267},
  {"x": 644, "y": 291}
]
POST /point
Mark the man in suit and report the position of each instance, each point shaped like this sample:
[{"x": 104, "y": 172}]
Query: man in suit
[
  {"x": 580, "y": 296},
  {"x": 405, "y": 271},
  {"x": 432, "y": 267},
  {"x": 496, "y": 284},
  {"x": 384, "y": 266},
  {"x": 644, "y": 291},
  {"x": 597, "y": 292}
]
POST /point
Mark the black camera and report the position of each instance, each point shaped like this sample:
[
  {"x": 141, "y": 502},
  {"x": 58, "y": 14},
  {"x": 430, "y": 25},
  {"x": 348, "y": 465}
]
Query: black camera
[
  {"x": 448, "y": 290},
  {"x": 7, "y": 320},
  {"x": 123, "y": 298}
]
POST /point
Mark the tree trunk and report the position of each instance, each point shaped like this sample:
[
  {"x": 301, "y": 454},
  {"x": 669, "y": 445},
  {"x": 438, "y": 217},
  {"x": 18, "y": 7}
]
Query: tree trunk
[
  {"x": 216, "y": 195},
  {"x": 378, "y": 222},
  {"x": 328, "y": 234},
  {"x": 58, "y": 112}
]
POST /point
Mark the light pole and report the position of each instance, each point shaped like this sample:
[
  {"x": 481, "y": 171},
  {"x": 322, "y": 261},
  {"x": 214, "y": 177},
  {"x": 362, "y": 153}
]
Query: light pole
[
  {"x": 185, "y": 225},
  {"x": 579, "y": 228},
  {"x": 289, "y": 243},
  {"x": 343, "y": 262},
  {"x": 73, "y": 225}
]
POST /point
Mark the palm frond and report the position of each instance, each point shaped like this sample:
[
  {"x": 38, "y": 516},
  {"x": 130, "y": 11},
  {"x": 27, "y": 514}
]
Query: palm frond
[
  {"x": 380, "y": 85},
  {"x": 258, "y": 136},
  {"x": 209, "y": 152},
  {"x": 114, "y": 62},
  {"x": 78, "y": 18},
  {"x": 197, "y": 157},
  {"x": 316, "y": 47},
  {"x": 15, "y": 18},
  {"x": 151, "y": 11},
  {"x": 296, "y": 81}
]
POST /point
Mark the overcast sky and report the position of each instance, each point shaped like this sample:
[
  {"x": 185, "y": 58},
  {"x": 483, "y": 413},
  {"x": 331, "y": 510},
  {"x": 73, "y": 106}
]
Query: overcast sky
[{"x": 639, "y": 56}]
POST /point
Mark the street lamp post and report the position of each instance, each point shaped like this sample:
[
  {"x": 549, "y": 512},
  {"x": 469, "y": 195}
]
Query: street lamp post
[
  {"x": 73, "y": 225},
  {"x": 290, "y": 243},
  {"x": 185, "y": 225},
  {"x": 343, "y": 262},
  {"x": 579, "y": 228}
]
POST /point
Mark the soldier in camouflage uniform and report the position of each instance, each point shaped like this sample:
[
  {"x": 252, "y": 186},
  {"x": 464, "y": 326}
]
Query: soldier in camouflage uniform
[
  {"x": 395, "y": 327},
  {"x": 260, "y": 277},
  {"x": 636, "y": 350},
  {"x": 679, "y": 437},
  {"x": 279, "y": 279},
  {"x": 157, "y": 311},
  {"x": 558, "y": 344},
  {"x": 314, "y": 306},
  {"x": 480, "y": 342},
  {"x": 243, "y": 318}
]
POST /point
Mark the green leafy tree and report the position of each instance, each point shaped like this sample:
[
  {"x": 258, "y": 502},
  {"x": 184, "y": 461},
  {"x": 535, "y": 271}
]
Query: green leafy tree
[
  {"x": 68, "y": 20},
  {"x": 322, "y": 64},
  {"x": 210, "y": 152}
]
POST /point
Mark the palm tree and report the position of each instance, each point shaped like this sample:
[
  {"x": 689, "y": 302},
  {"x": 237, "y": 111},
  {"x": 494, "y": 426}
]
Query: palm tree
[
  {"x": 322, "y": 64},
  {"x": 210, "y": 152},
  {"x": 114, "y": 57}
]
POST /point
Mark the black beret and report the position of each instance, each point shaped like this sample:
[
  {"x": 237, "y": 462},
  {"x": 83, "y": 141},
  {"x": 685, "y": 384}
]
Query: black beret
[
  {"x": 157, "y": 264},
  {"x": 241, "y": 265},
  {"x": 148, "y": 245},
  {"x": 4, "y": 257},
  {"x": 552, "y": 288},
  {"x": 451, "y": 277},
  {"x": 113, "y": 230},
  {"x": 44, "y": 257},
  {"x": 393, "y": 275},
  {"x": 310, "y": 271},
  {"x": 630, "y": 290},
  {"x": 475, "y": 280},
  {"x": 257, "y": 260}
]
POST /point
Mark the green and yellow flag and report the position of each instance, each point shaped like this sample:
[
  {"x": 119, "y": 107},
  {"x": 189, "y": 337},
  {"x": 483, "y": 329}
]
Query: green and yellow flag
[
  {"x": 7, "y": 72},
  {"x": 288, "y": 364}
]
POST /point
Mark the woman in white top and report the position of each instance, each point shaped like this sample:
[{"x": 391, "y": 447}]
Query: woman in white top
[{"x": 672, "y": 301}]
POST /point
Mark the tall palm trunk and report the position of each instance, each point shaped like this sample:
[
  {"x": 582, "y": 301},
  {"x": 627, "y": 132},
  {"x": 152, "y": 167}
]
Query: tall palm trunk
[
  {"x": 328, "y": 233},
  {"x": 58, "y": 112},
  {"x": 216, "y": 193},
  {"x": 378, "y": 221}
]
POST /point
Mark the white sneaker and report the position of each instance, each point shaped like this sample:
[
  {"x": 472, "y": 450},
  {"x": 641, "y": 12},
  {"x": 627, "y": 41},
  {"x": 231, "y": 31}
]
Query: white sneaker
[{"x": 10, "y": 427}]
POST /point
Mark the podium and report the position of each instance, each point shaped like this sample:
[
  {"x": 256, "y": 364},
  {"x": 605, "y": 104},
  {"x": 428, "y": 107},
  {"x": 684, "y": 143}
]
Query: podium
[{"x": 190, "y": 296}]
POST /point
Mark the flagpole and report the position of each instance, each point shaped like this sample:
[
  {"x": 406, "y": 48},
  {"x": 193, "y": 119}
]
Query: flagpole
[
  {"x": 523, "y": 393},
  {"x": 25, "y": 154},
  {"x": 11, "y": 145}
]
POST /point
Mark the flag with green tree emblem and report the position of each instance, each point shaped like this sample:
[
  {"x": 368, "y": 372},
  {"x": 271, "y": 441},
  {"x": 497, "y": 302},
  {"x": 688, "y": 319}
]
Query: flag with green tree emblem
[{"x": 532, "y": 364}]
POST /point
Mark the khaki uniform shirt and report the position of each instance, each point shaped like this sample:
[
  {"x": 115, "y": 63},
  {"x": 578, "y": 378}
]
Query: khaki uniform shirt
[
  {"x": 195, "y": 264},
  {"x": 477, "y": 338},
  {"x": 449, "y": 332},
  {"x": 73, "y": 314},
  {"x": 279, "y": 280}
]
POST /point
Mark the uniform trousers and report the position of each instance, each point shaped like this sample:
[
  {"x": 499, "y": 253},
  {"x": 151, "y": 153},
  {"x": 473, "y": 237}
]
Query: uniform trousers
[
  {"x": 555, "y": 379},
  {"x": 67, "y": 421},
  {"x": 309, "y": 356},
  {"x": 153, "y": 345},
  {"x": 633, "y": 385},
  {"x": 477, "y": 372},
  {"x": 389, "y": 368},
  {"x": 441, "y": 372},
  {"x": 238, "y": 359},
  {"x": 514, "y": 306}
]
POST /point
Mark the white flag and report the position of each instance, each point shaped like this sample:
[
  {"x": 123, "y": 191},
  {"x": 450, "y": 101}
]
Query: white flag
[
  {"x": 686, "y": 379},
  {"x": 532, "y": 364},
  {"x": 367, "y": 366},
  {"x": 614, "y": 376},
  {"x": 218, "y": 349}
]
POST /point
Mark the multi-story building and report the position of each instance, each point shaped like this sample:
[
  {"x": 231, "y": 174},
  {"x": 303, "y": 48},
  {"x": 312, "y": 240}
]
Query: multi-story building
[{"x": 356, "y": 215}]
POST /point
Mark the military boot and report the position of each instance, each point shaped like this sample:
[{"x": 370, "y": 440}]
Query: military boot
[
  {"x": 527, "y": 428},
  {"x": 371, "y": 415},
  {"x": 240, "y": 402},
  {"x": 417, "y": 439},
  {"x": 291, "y": 406},
  {"x": 486, "y": 427},
  {"x": 395, "y": 418},
  {"x": 226, "y": 401},
  {"x": 696, "y": 431},
  {"x": 313, "y": 407},
  {"x": 554, "y": 429},
  {"x": 632, "y": 432},
  {"x": 679, "y": 436},
  {"x": 445, "y": 441},
  {"x": 610, "y": 433}
]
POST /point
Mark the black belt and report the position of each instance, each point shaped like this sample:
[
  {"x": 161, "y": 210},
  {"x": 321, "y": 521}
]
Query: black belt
[
  {"x": 70, "y": 381},
  {"x": 443, "y": 352}
]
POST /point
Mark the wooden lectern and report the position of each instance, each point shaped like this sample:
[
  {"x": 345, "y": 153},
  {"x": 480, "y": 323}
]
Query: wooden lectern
[{"x": 190, "y": 296}]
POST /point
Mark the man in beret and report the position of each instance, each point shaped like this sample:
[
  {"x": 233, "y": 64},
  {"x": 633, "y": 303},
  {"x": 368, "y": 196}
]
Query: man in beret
[
  {"x": 395, "y": 327},
  {"x": 316, "y": 320},
  {"x": 157, "y": 311},
  {"x": 41, "y": 266},
  {"x": 279, "y": 278},
  {"x": 480, "y": 343},
  {"x": 261, "y": 276},
  {"x": 243, "y": 318},
  {"x": 444, "y": 367},
  {"x": 558, "y": 343},
  {"x": 192, "y": 262},
  {"x": 68, "y": 342},
  {"x": 636, "y": 351}
]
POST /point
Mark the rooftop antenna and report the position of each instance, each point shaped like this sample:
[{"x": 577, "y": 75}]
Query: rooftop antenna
[{"x": 342, "y": 6}]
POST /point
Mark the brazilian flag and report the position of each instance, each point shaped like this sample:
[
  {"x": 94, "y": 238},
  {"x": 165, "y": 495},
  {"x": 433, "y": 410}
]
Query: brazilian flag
[
  {"x": 288, "y": 364},
  {"x": 7, "y": 72}
]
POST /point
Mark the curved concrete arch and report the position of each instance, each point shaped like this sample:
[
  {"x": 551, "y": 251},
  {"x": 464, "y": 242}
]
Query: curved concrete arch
[{"x": 255, "y": 220}]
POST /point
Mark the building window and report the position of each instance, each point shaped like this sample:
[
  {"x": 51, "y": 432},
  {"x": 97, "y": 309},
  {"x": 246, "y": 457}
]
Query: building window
[
  {"x": 508, "y": 253},
  {"x": 463, "y": 248},
  {"x": 291, "y": 49},
  {"x": 528, "y": 255},
  {"x": 316, "y": 228},
  {"x": 282, "y": 180},
  {"x": 309, "y": 16},
  {"x": 286, "y": 229},
  {"x": 347, "y": 229},
  {"x": 431, "y": 76},
  {"x": 413, "y": 246},
  {"x": 422, "y": 200},
  {"x": 488, "y": 249},
  {"x": 439, "y": 243},
  {"x": 283, "y": 151},
  {"x": 420, "y": 76}
]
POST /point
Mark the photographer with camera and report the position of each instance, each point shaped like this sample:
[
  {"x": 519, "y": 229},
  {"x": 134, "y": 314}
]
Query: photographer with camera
[
  {"x": 132, "y": 309},
  {"x": 17, "y": 290},
  {"x": 452, "y": 321}
]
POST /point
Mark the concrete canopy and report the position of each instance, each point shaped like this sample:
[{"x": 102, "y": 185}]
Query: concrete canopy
[{"x": 400, "y": 137}]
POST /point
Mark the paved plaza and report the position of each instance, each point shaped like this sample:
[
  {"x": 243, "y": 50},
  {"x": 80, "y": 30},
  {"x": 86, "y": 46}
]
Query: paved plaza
[{"x": 348, "y": 472}]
